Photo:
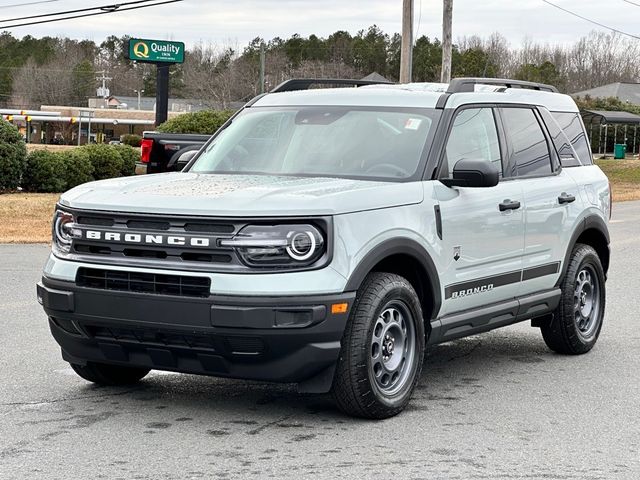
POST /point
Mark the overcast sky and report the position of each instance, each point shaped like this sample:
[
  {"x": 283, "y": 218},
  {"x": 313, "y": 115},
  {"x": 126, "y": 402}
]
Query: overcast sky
[{"x": 236, "y": 22}]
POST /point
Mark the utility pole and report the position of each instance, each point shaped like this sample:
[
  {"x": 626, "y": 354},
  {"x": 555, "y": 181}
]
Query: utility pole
[
  {"x": 406, "y": 51},
  {"x": 262, "y": 67},
  {"x": 447, "y": 45},
  {"x": 104, "y": 90}
]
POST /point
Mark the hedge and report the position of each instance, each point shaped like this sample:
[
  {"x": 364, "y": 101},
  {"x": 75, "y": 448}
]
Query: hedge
[
  {"x": 78, "y": 167},
  {"x": 132, "y": 140},
  {"x": 13, "y": 155},
  {"x": 205, "y": 122},
  {"x": 45, "y": 172},
  {"x": 106, "y": 161},
  {"x": 129, "y": 157}
]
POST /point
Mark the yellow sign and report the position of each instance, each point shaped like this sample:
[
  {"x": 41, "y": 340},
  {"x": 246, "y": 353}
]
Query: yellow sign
[{"x": 141, "y": 49}]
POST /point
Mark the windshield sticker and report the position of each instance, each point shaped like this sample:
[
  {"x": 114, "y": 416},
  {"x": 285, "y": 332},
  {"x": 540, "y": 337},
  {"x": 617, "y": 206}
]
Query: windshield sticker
[{"x": 412, "y": 123}]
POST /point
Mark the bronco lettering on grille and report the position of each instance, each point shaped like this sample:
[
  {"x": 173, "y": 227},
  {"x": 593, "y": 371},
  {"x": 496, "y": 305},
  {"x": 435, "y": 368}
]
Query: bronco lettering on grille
[{"x": 142, "y": 239}]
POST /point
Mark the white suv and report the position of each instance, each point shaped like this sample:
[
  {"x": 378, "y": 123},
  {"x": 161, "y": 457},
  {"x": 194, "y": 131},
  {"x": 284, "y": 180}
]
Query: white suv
[{"x": 326, "y": 236}]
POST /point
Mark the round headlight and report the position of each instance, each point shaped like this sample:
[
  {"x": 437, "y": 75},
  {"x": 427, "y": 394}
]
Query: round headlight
[
  {"x": 302, "y": 245},
  {"x": 63, "y": 230},
  {"x": 280, "y": 246}
]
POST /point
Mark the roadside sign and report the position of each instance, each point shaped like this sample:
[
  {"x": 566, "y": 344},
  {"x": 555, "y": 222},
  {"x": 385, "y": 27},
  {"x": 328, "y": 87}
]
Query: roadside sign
[{"x": 155, "y": 51}]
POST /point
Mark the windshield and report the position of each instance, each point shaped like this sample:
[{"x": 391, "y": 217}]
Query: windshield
[{"x": 321, "y": 141}]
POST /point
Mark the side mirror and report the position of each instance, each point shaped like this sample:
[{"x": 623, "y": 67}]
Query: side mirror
[
  {"x": 470, "y": 172},
  {"x": 184, "y": 159}
]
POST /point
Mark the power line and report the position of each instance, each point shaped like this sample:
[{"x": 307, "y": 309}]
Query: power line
[
  {"x": 28, "y": 3},
  {"x": 591, "y": 21},
  {"x": 89, "y": 14},
  {"x": 111, "y": 7},
  {"x": 632, "y": 3},
  {"x": 419, "y": 21}
]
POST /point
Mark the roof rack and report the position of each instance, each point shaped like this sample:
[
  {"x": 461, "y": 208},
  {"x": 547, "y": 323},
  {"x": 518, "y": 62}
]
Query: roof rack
[
  {"x": 306, "y": 83},
  {"x": 459, "y": 85}
]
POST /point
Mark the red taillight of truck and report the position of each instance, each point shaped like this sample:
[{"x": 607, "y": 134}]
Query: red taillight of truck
[{"x": 146, "y": 147}]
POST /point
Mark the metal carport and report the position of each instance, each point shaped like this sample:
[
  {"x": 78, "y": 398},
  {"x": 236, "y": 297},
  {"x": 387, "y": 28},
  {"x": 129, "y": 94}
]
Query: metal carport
[{"x": 604, "y": 118}]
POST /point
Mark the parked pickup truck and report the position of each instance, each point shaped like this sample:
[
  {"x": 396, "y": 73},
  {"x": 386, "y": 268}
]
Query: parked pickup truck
[{"x": 161, "y": 151}]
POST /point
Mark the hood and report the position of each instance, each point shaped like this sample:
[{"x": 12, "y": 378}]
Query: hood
[{"x": 239, "y": 195}]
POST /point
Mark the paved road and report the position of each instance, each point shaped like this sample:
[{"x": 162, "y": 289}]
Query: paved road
[{"x": 499, "y": 405}]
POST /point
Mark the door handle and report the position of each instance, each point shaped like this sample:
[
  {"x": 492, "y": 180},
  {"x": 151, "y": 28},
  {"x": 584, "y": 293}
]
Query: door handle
[
  {"x": 509, "y": 205},
  {"x": 566, "y": 198}
]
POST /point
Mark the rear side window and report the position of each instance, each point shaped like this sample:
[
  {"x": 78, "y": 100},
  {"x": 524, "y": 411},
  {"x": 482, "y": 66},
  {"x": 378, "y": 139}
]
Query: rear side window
[
  {"x": 567, "y": 155},
  {"x": 571, "y": 125},
  {"x": 528, "y": 148}
]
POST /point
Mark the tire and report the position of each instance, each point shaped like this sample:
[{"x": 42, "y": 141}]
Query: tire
[
  {"x": 386, "y": 313},
  {"x": 576, "y": 323},
  {"x": 103, "y": 374}
]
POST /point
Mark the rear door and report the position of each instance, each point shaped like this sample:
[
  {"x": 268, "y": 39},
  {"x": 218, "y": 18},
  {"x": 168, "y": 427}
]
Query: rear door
[
  {"x": 551, "y": 197},
  {"x": 481, "y": 260}
]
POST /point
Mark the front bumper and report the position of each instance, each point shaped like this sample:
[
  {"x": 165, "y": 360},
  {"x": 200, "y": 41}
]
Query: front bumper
[{"x": 279, "y": 339}]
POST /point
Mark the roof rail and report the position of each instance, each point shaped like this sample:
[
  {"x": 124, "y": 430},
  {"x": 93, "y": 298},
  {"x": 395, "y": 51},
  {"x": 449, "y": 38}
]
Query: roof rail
[
  {"x": 458, "y": 85},
  {"x": 305, "y": 83}
]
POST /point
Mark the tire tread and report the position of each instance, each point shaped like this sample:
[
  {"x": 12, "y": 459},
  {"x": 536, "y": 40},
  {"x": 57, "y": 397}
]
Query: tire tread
[
  {"x": 351, "y": 387},
  {"x": 560, "y": 334}
]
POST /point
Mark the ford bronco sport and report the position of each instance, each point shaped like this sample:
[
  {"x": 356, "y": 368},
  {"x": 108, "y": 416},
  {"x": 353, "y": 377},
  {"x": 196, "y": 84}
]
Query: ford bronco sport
[{"x": 326, "y": 236}]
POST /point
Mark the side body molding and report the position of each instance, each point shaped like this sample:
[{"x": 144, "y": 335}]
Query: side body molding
[{"x": 400, "y": 246}]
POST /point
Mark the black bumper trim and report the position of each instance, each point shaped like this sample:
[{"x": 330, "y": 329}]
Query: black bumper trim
[{"x": 283, "y": 339}]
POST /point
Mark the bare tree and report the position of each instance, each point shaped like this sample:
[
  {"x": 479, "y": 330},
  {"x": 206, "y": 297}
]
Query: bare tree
[{"x": 67, "y": 79}]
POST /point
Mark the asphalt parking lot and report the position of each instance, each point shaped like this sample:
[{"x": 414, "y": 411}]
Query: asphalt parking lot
[{"x": 499, "y": 405}]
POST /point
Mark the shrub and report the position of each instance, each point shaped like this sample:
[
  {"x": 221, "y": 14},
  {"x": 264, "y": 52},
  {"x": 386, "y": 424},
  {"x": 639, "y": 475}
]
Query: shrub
[
  {"x": 131, "y": 140},
  {"x": 129, "y": 157},
  {"x": 13, "y": 156},
  {"x": 45, "y": 172},
  {"x": 205, "y": 122},
  {"x": 78, "y": 167},
  {"x": 106, "y": 161}
]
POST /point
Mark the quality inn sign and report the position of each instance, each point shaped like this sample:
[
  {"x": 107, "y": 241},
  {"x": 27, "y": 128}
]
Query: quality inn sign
[{"x": 155, "y": 51}]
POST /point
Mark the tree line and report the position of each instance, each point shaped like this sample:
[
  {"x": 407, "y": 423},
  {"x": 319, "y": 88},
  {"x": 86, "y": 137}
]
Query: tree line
[{"x": 62, "y": 71}]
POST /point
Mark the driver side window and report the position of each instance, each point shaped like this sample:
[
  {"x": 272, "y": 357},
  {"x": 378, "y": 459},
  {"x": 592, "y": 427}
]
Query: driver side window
[{"x": 473, "y": 136}]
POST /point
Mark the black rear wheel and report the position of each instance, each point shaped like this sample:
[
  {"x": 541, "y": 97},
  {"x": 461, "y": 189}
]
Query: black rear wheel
[
  {"x": 104, "y": 374},
  {"x": 382, "y": 349},
  {"x": 576, "y": 323}
]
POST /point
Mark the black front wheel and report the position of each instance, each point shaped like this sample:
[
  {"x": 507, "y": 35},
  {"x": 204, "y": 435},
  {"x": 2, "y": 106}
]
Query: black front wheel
[
  {"x": 104, "y": 374},
  {"x": 382, "y": 349},
  {"x": 576, "y": 323}
]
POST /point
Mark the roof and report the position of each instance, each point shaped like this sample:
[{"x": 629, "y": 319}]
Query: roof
[
  {"x": 376, "y": 77},
  {"x": 626, "y": 92},
  {"x": 607, "y": 116},
  {"x": 420, "y": 95}
]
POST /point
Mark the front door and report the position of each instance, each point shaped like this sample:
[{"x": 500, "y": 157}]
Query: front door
[{"x": 482, "y": 243}]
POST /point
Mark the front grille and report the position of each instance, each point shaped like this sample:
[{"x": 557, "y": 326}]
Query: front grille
[
  {"x": 138, "y": 282},
  {"x": 174, "y": 256},
  {"x": 244, "y": 345},
  {"x": 153, "y": 337}
]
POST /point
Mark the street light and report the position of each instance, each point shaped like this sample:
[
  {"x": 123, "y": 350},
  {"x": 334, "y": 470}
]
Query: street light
[{"x": 139, "y": 92}]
